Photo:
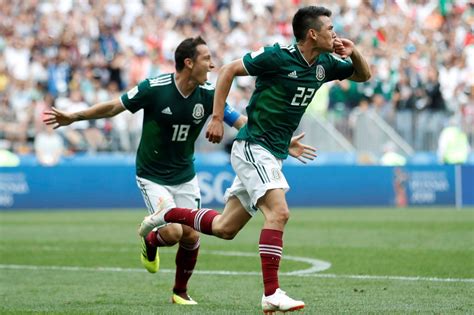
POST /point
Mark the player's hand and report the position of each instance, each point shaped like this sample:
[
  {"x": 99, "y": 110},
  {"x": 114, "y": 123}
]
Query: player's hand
[
  {"x": 215, "y": 131},
  {"x": 343, "y": 47},
  {"x": 301, "y": 151},
  {"x": 57, "y": 118}
]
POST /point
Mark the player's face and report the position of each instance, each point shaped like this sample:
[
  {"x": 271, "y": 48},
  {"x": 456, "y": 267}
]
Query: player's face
[
  {"x": 325, "y": 37},
  {"x": 202, "y": 65}
]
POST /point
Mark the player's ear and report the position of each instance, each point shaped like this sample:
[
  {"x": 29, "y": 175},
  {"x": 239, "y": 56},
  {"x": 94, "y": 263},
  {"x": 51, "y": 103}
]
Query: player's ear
[
  {"x": 312, "y": 33},
  {"x": 188, "y": 63}
]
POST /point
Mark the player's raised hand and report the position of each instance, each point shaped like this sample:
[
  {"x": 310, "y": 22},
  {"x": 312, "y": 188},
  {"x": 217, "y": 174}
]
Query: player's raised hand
[
  {"x": 215, "y": 131},
  {"x": 57, "y": 118},
  {"x": 301, "y": 151},
  {"x": 343, "y": 47}
]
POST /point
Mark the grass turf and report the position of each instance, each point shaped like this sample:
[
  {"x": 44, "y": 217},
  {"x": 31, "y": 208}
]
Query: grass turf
[{"x": 371, "y": 243}]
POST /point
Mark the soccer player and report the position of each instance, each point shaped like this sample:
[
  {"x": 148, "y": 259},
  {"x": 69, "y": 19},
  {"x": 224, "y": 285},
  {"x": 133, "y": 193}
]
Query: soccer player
[
  {"x": 287, "y": 79},
  {"x": 176, "y": 106}
]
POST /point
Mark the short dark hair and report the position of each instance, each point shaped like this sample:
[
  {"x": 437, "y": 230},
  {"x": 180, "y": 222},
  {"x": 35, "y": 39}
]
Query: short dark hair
[
  {"x": 187, "y": 49},
  {"x": 306, "y": 18}
]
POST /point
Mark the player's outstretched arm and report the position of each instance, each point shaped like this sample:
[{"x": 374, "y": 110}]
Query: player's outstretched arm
[
  {"x": 215, "y": 128},
  {"x": 346, "y": 48},
  {"x": 301, "y": 151},
  {"x": 58, "y": 118}
]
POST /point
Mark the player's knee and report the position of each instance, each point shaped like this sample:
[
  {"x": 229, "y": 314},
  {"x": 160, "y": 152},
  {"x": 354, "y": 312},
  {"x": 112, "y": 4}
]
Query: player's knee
[
  {"x": 171, "y": 234},
  {"x": 225, "y": 232},
  {"x": 190, "y": 236},
  {"x": 280, "y": 215}
]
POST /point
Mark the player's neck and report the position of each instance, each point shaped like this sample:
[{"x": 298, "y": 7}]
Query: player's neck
[
  {"x": 309, "y": 53},
  {"x": 185, "y": 83}
]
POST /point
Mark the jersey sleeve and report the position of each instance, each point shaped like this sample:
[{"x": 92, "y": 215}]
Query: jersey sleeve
[
  {"x": 342, "y": 69},
  {"x": 263, "y": 61},
  {"x": 137, "y": 98},
  {"x": 230, "y": 115}
]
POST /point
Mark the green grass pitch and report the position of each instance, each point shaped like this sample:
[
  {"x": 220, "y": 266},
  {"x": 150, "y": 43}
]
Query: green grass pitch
[{"x": 382, "y": 261}]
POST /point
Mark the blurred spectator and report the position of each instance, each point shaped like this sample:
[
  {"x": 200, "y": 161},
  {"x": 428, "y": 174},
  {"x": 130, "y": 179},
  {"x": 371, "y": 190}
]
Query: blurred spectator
[
  {"x": 390, "y": 156},
  {"x": 7, "y": 157},
  {"x": 421, "y": 52},
  {"x": 49, "y": 147},
  {"x": 453, "y": 146}
]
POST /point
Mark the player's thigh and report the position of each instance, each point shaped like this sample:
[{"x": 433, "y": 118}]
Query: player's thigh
[
  {"x": 152, "y": 192},
  {"x": 258, "y": 170}
]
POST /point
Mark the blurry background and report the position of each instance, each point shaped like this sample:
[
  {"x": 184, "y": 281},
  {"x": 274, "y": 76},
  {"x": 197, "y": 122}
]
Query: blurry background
[{"x": 72, "y": 54}]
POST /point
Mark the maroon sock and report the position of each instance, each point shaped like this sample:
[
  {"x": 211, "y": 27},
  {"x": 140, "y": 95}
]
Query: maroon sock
[
  {"x": 154, "y": 239},
  {"x": 270, "y": 247},
  {"x": 186, "y": 258},
  {"x": 198, "y": 219}
]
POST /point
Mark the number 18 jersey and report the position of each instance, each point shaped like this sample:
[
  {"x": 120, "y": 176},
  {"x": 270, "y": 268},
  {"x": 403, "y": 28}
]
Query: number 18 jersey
[
  {"x": 171, "y": 124},
  {"x": 285, "y": 85}
]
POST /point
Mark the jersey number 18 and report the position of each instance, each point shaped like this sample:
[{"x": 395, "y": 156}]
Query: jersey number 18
[{"x": 180, "y": 132}]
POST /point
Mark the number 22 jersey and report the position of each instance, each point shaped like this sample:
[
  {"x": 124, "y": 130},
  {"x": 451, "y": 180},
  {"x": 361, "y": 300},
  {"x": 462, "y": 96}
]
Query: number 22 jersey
[{"x": 285, "y": 85}]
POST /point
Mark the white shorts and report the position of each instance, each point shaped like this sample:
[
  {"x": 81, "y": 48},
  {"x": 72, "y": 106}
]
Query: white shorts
[
  {"x": 186, "y": 195},
  {"x": 257, "y": 171}
]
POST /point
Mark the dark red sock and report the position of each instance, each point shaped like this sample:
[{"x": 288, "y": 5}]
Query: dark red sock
[
  {"x": 154, "y": 239},
  {"x": 186, "y": 258},
  {"x": 198, "y": 219},
  {"x": 270, "y": 247}
]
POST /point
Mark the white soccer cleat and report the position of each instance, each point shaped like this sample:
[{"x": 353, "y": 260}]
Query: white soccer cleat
[
  {"x": 156, "y": 219},
  {"x": 280, "y": 302}
]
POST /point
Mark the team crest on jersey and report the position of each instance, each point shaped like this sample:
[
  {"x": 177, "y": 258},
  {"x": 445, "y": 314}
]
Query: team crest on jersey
[
  {"x": 320, "y": 73},
  {"x": 198, "y": 111}
]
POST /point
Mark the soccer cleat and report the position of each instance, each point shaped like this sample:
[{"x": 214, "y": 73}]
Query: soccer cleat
[
  {"x": 149, "y": 257},
  {"x": 156, "y": 219},
  {"x": 187, "y": 300},
  {"x": 280, "y": 302}
]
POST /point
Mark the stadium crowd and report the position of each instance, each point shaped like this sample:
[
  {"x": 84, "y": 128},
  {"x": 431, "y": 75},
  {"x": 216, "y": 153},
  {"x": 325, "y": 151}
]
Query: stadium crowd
[{"x": 72, "y": 54}]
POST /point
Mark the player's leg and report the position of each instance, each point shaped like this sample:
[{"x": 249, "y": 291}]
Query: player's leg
[
  {"x": 207, "y": 221},
  {"x": 237, "y": 212},
  {"x": 166, "y": 236},
  {"x": 186, "y": 195},
  {"x": 275, "y": 210},
  {"x": 186, "y": 258},
  {"x": 260, "y": 172}
]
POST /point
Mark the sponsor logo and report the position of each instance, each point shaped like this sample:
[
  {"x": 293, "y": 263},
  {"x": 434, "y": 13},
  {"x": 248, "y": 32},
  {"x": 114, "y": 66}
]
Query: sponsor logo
[
  {"x": 167, "y": 111},
  {"x": 293, "y": 75}
]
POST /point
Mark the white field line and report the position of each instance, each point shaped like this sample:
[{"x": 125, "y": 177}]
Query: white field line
[{"x": 235, "y": 273}]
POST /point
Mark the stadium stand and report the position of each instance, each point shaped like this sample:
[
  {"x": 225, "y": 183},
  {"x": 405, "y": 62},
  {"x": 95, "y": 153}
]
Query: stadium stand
[{"x": 71, "y": 54}]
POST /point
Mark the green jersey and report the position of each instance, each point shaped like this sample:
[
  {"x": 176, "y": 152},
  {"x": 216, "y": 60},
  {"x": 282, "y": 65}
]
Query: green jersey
[
  {"x": 171, "y": 124},
  {"x": 285, "y": 85}
]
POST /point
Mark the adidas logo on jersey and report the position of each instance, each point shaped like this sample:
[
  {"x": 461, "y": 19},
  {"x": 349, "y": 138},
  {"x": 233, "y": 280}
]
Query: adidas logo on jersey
[
  {"x": 167, "y": 111},
  {"x": 293, "y": 75}
]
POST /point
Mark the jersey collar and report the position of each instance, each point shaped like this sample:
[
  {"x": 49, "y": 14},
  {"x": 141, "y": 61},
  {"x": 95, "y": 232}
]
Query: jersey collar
[
  {"x": 303, "y": 58},
  {"x": 177, "y": 88}
]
